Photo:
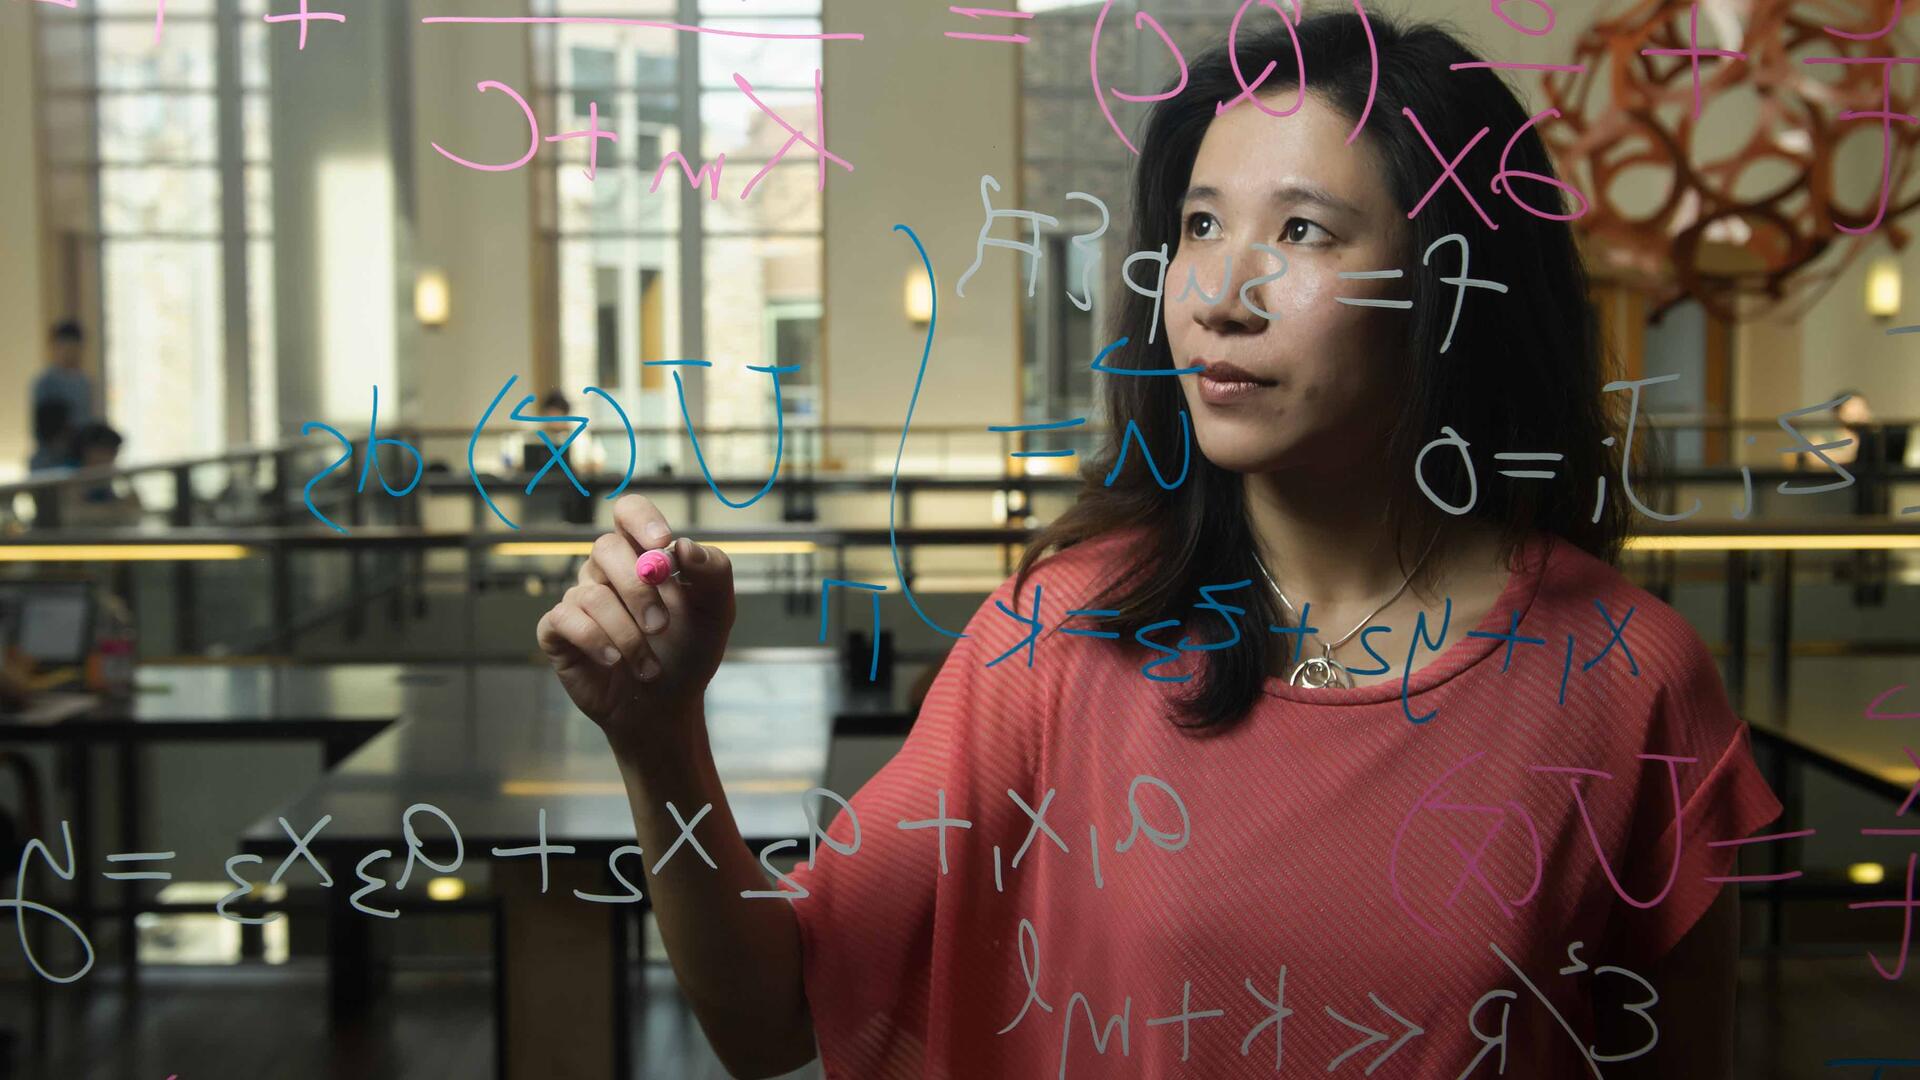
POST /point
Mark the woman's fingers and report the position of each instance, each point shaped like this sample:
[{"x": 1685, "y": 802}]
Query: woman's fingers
[
  {"x": 705, "y": 584},
  {"x": 629, "y": 618},
  {"x": 605, "y": 607},
  {"x": 613, "y": 563},
  {"x": 611, "y": 628},
  {"x": 589, "y": 572},
  {"x": 567, "y": 630},
  {"x": 642, "y": 523}
]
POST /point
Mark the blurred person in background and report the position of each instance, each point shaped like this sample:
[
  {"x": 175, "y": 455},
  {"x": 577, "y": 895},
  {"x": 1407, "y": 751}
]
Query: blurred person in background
[
  {"x": 62, "y": 399},
  {"x": 522, "y": 451},
  {"x": 1870, "y": 450},
  {"x": 554, "y": 500}
]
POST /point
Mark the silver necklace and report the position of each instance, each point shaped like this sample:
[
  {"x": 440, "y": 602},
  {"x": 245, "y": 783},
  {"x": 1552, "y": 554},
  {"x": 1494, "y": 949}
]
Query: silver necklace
[{"x": 1319, "y": 672}]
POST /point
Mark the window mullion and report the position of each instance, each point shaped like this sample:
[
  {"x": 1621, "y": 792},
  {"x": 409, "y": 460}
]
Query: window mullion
[
  {"x": 693, "y": 330},
  {"x": 237, "y": 353}
]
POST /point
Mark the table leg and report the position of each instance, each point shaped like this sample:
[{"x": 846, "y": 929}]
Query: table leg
[
  {"x": 335, "y": 751},
  {"x": 351, "y": 986},
  {"x": 1737, "y": 629},
  {"x": 619, "y": 919},
  {"x": 79, "y": 766},
  {"x": 1780, "y": 639},
  {"x": 556, "y": 955},
  {"x": 130, "y": 797}
]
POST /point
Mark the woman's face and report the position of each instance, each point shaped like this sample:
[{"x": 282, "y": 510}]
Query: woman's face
[{"x": 1326, "y": 371}]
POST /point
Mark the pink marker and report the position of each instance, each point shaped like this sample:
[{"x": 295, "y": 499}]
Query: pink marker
[{"x": 656, "y": 566}]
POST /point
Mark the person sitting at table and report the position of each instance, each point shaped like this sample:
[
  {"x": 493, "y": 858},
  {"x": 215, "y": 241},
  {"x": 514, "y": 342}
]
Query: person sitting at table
[
  {"x": 111, "y": 502},
  {"x": 1237, "y": 802},
  {"x": 1869, "y": 450},
  {"x": 16, "y": 679},
  {"x": 523, "y": 452}
]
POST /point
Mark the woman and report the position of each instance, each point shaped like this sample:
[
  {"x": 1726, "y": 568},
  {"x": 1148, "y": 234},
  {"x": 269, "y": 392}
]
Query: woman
[{"x": 1210, "y": 842}]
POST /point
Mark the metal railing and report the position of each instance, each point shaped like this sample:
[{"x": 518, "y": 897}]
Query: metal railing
[{"x": 273, "y": 484}]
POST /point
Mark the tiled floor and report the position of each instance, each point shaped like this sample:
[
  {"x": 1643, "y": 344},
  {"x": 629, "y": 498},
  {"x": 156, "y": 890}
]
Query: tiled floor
[{"x": 217, "y": 1024}]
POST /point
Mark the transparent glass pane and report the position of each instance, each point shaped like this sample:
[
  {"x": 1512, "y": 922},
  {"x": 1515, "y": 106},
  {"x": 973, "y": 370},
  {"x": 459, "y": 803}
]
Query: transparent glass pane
[
  {"x": 260, "y": 342},
  {"x": 158, "y": 127},
  {"x": 581, "y": 111},
  {"x": 760, "y": 7},
  {"x": 761, "y": 297},
  {"x": 257, "y": 118},
  {"x": 651, "y": 9},
  {"x": 259, "y": 208},
  {"x": 618, "y": 201},
  {"x": 146, "y": 8},
  {"x": 651, "y": 152},
  {"x": 255, "y": 50},
  {"x": 162, "y": 335},
  {"x": 619, "y": 306},
  {"x": 786, "y": 199},
  {"x": 1056, "y": 55},
  {"x": 787, "y": 61},
  {"x": 159, "y": 199},
  {"x": 735, "y": 126},
  {"x": 592, "y": 205},
  {"x": 599, "y": 55},
  {"x": 128, "y": 59}
]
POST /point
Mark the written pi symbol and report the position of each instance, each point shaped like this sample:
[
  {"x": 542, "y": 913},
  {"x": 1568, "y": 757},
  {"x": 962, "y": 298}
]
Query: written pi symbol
[{"x": 1033, "y": 252}]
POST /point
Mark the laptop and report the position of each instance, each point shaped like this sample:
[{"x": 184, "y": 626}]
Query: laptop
[{"x": 49, "y": 621}]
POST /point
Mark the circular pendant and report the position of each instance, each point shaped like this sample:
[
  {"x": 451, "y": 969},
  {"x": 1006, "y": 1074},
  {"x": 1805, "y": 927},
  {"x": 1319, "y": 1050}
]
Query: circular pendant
[{"x": 1319, "y": 673}]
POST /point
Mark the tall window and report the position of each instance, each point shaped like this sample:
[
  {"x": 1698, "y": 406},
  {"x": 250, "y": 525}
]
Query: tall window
[
  {"x": 158, "y": 193},
  {"x": 670, "y": 274}
]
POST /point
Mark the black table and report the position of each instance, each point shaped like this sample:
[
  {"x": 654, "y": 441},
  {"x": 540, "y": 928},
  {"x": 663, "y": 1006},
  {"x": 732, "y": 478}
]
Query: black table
[
  {"x": 338, "y": 708},
  {"x": 492, "y": 746}
]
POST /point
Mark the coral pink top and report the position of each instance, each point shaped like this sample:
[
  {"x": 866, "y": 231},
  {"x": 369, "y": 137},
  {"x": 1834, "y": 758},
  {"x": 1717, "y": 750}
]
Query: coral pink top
[{"x": 1383, "y": 888}]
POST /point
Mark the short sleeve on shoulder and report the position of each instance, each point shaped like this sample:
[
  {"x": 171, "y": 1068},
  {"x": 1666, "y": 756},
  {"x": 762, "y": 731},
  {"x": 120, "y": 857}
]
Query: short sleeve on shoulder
[
  {"x": 871, "y": 919},
  {"x": 1723, "y": 798}
]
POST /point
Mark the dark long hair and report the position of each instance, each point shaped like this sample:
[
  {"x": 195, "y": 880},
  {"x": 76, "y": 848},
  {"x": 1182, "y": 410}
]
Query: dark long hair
[{"x": 1523, "y": 373}]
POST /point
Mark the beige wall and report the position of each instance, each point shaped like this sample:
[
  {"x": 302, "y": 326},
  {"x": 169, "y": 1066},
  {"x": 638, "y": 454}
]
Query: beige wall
[
  {"x": 335, "y": 220},
  {"x": 420, "y": 210},
  {"x": 476, "y": 227},
  {"x": 920, "y": 120},
  {"x": 1844, "y": 347},
  {"x": 21, "y": 344},
  {"x": 1767, "y": 372}
]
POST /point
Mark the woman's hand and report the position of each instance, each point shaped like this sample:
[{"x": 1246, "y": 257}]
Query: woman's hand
[{"x": 636, "y": 658}]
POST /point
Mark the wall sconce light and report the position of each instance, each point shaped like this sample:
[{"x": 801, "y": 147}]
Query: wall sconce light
[
  {"x": 1883, "y": 287},
  {"x": 432, "y": 299},
  {"x": 919, "y": 296}
]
